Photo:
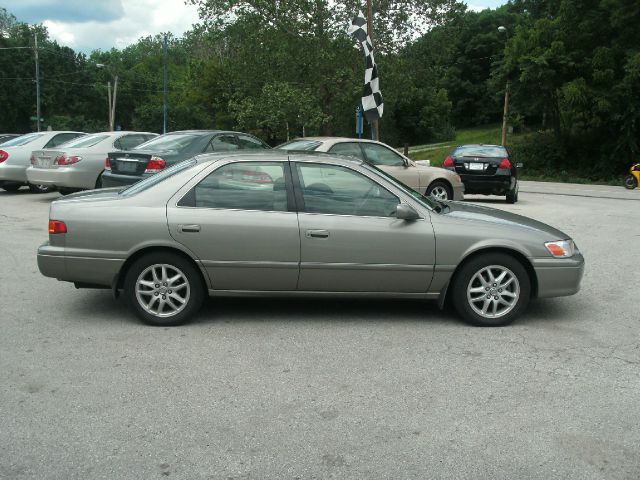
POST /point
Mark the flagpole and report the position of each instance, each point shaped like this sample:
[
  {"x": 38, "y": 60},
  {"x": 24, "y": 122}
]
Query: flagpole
[{"x": 375, "y": 127}]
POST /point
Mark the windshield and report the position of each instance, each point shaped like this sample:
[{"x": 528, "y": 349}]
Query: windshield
[
  {"x": 480, "y": 151},
  {"x": 158, "y": 177},
  {"x": 427, "y": 201},
  {"x": 23, "y": 140},
  {"x": 85, "y": 141},
  {"x": 174, "y": 141},
  {"x": 305, "y": 145}
]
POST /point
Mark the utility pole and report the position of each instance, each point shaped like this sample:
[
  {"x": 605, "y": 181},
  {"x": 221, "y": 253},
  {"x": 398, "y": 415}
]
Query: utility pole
[
  {"x": 37, "y": 81},
  {"x": 375, "y": 127},
  {"x": 505, "y": 114},
  {"x": 113, "y": 107},
  {"x": 109, "y": 105},
  {"x": 166, "y": 84}
]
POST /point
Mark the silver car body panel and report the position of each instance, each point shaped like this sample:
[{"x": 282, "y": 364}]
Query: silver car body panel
[{"x": 244, "y": 252}]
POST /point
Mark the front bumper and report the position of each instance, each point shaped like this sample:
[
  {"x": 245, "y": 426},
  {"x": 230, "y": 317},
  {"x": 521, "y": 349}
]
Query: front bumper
[
  {"x": 558, "y": 277},
  {"x": 64, "y": 177},
  {"x": 13, "y": 173}
]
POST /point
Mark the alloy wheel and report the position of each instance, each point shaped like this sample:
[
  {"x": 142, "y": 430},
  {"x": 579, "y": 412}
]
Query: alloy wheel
[
  {"x": 493, "y": 291},
  {"x": 162, "y": 290},
  {"x": 440, "y": 193}
]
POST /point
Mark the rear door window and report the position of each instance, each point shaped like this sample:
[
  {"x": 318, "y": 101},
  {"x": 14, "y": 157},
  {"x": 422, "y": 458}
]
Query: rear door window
[
  {"x": 381, "y": 155},
  {"x": 241, "y": 186},
  {"x": 351, "y": 149}
]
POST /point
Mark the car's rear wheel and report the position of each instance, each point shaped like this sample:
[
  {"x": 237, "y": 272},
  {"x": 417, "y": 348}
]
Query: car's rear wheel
[
  {"x": 99, "y": 181},
  {"x": 630, "y": 182},
  {"x": 512, "y": 196},
  {"x": 439, "y": 190},
  {"x": 40, "y": 188},
  {"x": 11, "y": 187},
  {"x": 164, "y": 289},
  {"x": 491, "y": 290}
]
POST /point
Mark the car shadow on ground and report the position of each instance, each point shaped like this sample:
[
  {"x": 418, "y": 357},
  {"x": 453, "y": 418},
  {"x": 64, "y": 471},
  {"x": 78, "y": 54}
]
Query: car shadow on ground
[{"x": 99, "y": 306}]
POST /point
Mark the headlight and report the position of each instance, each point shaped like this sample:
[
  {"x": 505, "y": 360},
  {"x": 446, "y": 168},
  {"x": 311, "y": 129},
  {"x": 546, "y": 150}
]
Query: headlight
[{"x": 561, "y": 248}]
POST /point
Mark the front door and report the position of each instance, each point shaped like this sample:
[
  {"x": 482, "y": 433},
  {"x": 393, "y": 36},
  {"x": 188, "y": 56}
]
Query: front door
[
  {"x": 239, "y": 222},
  {"x": 351, "y": 240}
]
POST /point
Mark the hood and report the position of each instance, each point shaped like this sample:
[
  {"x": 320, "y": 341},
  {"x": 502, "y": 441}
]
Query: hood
[{"x": 466, "y": 211}]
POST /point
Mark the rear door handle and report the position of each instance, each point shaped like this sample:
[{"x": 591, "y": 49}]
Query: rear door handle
[
  {"x": 189, "y": 228},
  {"x": 317, "y": 233}
]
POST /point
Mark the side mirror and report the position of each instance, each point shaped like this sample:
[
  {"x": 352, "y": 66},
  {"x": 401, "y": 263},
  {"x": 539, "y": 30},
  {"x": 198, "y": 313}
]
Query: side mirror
[
  {"x": 405, "y": 212},
  {"x": 519, "y": 165}
]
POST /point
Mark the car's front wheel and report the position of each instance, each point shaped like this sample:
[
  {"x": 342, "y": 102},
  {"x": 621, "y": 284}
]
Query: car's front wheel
[
  {"x": 439, "y": 190},
  {"x": 11, "y": 187},
  {"x": 491, "y": 290},
  {"x": 164, "y": 289},
  {"x": 630, "y": 182}
]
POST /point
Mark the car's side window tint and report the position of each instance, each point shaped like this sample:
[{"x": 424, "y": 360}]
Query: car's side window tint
[
  {"x": 349, "y": 148},
  {"x": 61, "y": 138},
  {"x": 222, "y": 143},
  {"x": 337, "y": 190},
  {"x": 241, "y": 185},
  {"x": 249, "y": 143},
  {"x": 380, "y": 155}
]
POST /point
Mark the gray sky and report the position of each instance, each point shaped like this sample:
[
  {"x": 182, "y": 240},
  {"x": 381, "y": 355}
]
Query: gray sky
[{"x": 86, "y": 25}]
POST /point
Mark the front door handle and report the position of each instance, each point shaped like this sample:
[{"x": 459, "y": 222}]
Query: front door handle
[
  {"x": 189, "y": 228},
  {"x": 317, "y": 233}
]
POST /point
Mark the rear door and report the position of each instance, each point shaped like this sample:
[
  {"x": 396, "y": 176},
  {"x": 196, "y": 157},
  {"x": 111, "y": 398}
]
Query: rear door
[{"x": 241, "y": 223}]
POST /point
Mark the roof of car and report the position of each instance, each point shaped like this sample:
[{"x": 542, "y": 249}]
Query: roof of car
[
  {"x": 277, "y": 155},
  {"x": 203, "y": 132}
]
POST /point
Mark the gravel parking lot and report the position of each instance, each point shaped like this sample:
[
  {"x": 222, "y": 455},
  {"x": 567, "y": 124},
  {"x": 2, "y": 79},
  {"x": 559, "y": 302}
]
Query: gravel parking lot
[{"x": 326, "y": 389}]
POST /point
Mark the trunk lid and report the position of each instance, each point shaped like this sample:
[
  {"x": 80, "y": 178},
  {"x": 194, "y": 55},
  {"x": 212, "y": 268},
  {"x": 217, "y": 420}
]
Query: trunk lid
[
  {"x": 45, "y": 158},
  {"x": 477, "y": 165},
  {"x": 129, "y": 163}
]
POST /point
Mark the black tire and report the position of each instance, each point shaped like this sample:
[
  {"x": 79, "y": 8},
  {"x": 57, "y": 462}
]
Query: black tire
[
  {"x": 462, "y": 282},
  {"x": 440, "y": 186},
  {"x": 66, "y": 191},
  {"x": 194, "y": 293},
  {"x": 512, "y": 196},
  {"x": 11, "y": 187},
  {"x": 630, "y": 182},
  {"x": 40, "y": 188},
  {"x": 99, "y": 180}
]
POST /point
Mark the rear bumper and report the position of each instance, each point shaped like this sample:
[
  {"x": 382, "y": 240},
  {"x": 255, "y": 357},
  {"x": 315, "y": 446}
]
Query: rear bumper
[
  {"x": 559, "y": 277},
  {"x": 488, "y": 184},
  {"x": 52, "y": 262},
  {"x": 60, "y": 177},
  {"x": 13, "y": 173},
  {"x": 110, "y": 179}
]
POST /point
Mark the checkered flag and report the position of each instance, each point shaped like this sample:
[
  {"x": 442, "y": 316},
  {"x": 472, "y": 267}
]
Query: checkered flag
[{"x": 372, "y": 97}]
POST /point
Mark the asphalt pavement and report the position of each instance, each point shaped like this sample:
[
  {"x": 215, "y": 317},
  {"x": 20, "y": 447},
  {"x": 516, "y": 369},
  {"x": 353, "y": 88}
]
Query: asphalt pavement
[{"x": 315, "y": 389}]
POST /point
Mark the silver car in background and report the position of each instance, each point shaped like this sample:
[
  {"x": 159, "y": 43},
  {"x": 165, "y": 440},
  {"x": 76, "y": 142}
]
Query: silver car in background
[
  {"x": 419, "y": 175},
  {"x": 274, "y": 223},
  {"x": 78, "y": 164},
  {"x": 15, "y": 158}
]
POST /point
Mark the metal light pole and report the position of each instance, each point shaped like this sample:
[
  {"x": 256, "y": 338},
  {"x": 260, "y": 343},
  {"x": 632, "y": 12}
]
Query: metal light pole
[
  {"x": 505, "y": 111},
  {"x": 166, "y": 83},
  {"x": 37, "y": 81},
  {"x": 375, "y": 127},
  {"x": 112, "y": 101}
]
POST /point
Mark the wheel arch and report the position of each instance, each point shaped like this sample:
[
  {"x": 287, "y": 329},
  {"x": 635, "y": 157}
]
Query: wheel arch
[
  {"x": 521, "y": 257},
  {"x": 118, "y": 281},
  {"x": 444, "y": 180}
]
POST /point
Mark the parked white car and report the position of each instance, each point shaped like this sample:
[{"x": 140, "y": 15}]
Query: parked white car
[
  {"x": 78, "y": 164},
  {"x": 15, "y": 157}
]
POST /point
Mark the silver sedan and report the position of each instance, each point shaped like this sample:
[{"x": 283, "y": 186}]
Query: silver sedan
[
  {"x": 273, "y": 223},
  {"x": 78, "y": 164}
]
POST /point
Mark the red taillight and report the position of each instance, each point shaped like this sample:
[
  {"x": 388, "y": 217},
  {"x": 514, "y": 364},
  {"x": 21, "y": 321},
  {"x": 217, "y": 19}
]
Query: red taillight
[
  {"x": 107, "y": 164},
  {"x": 155, "y": 164},
  {"x": 67, "y": 160},
  {"x": 3, "y": 156},
  {"x": 505, "y": 163},
  {"x": 256, "y": 177},
  {"x": 33, "y": 159},
  {"x": 57, "y": 226},
  {"x": 448, "y": 162}
]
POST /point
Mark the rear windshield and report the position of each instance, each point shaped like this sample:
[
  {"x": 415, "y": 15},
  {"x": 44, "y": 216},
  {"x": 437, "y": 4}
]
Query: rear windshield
[
  {"x": 158, "y": 177},
  {"x": 86, "y": 141},
  {"x": 480, "y": 151},
  {"x": 176, "y": 141},
  {"x": 23, "y": 140},
  {"x": 304, "y": 145}
]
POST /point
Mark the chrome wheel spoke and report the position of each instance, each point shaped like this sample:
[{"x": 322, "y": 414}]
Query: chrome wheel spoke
[
  {"x": 162, "y": 290},
  {"x": 487, "y": 293}
]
